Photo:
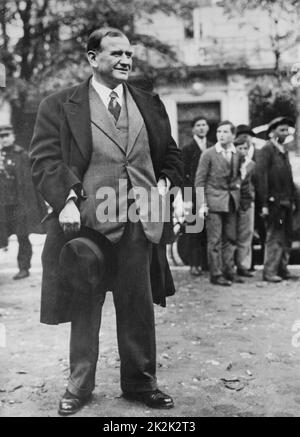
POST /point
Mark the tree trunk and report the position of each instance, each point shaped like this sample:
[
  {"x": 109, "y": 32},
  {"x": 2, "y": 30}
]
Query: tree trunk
[{"x": 3, "y": 10}]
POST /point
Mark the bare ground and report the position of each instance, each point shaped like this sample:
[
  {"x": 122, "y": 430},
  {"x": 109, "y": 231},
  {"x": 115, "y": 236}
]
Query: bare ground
[{"x": 221, "y": 351}]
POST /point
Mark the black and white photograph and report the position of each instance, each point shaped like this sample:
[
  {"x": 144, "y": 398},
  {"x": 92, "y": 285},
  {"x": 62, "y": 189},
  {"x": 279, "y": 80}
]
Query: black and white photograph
[{"x": 149, "y": 211}]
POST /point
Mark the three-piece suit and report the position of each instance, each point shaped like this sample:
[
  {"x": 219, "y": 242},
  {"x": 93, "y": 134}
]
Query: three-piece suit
[{"x": 78, "y": 145}]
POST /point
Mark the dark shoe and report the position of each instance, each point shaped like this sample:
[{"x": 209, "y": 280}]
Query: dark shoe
[
  {"x": 21, "y": 275},
  {"x": 274, "y": 279},
  {"x": 287, "y": 276},
  {"x": 232, "y": 278},
  {"x": 153, "y": 399},
  {"x": 244, "y": 273},
  {"x": 70, "y": 404},
  {"x": 195, "y": 271},
  {"x": 220, "y": 280}
]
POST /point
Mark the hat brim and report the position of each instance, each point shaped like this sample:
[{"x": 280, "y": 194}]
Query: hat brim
[{"x": 283, "y": 121}]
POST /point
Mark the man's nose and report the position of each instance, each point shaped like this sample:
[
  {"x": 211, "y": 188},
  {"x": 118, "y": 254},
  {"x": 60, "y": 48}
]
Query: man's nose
[{"x": 125, "y": 60}]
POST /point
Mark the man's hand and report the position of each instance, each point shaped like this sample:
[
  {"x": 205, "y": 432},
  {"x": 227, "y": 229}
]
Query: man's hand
[
  {"x": 178, "y": 205},
  {"x": 69, "y": 218},
  {"x": 265, "y": 212},
  {"x": 203, "y": 211},
  {"x": 163, "y": 186}
]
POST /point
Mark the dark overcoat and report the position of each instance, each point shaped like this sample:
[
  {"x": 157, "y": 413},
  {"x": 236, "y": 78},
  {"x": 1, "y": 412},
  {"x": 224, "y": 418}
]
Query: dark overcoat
[
  {"x": 31, "y": 209},
  {"x": 60, "y": 153},
  {"x": 274, "y": 180}
]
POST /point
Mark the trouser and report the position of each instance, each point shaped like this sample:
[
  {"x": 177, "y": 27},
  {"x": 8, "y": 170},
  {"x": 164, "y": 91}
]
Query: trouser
[
  {"x": 135, "y": 322},
  {"x": 197, "y": 244},
  {"x": 278, "y": 244},
  {"x": 245, "y": 230},
  {"x": 221, "y": 238},
  {"x": 25, "y": 252},
  {"x": 12, "y": 227}
]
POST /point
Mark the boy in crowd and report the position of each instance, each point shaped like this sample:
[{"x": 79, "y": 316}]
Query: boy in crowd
[
  {"x": 245, "y": 214},
  {"x": 218, "y": 192}
]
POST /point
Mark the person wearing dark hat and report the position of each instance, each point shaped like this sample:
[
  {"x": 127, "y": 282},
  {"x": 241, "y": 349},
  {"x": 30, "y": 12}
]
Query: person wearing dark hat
[
  {"x": 191, "y": 152},
  {"x": 88, "y": 140},
  {"x": 21, "y": 209},
  {"x": 276, "y": 192}
]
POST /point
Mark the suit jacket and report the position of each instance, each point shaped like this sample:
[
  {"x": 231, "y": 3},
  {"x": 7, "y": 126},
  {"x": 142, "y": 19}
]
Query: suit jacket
[
  {"x": 60, "y": 153},
  {"x": 219, "y": 180},
  {"x": 191, "y": 155}
]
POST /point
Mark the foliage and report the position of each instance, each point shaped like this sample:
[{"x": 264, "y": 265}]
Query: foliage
[
  {"x": 53, "y": 32},
  {"x": 284, "y": 16},
  {"x": 269, "y": 100}
]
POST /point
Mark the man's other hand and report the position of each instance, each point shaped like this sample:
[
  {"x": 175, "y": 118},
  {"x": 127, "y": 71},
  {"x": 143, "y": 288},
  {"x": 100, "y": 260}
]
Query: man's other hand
[
  {"x": 265, "y": 212},
  {"x": 69, "y": 218},
  {"x": 203, "y": 211}
]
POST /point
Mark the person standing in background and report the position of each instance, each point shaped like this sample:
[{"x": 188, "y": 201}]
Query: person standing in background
[
  {"x": 245, "y": 214},
  {"x": 196, "y": 242},
  {"x": 218, "y": 182},
  {"x": 276, "y": 192},
  {"x": 21, "y": 209}
]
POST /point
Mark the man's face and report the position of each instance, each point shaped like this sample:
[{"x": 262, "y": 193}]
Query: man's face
[
  {"x": 113, "y": 63},
  {"x": 243, "y": 149},
  {"x": 281, "y": 133},
  {"x": 7, "y": 138},
  {"x": 224, "y": 135},
  {"x": 200, "y": 128}
]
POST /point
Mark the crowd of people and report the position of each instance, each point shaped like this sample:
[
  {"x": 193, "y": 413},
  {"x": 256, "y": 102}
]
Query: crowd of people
[{"x": 235, "y": 186}]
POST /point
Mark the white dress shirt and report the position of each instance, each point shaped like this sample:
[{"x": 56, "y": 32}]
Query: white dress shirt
[
  {"x": 104, "y": 92},
  {"x": 227, "y": 153}
]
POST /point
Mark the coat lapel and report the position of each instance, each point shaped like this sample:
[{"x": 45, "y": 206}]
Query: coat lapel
[
  {"x": 135, "y": 121},
  {"x": 103, "y": 121},
  {"x": 222, "y": 161},
  {"x": 77, "y": 110}
]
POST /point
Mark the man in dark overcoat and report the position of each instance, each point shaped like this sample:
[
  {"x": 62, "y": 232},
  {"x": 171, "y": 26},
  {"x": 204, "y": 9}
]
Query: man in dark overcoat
[
  {"x": 21, "y": 209},
  {"x": 191, "y": 153},
  {"x": 88, "y": 138},
  {"x": 276, "y": 193}
]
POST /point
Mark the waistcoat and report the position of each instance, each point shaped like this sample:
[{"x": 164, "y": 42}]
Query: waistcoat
[{"x": 120, "y": 163}]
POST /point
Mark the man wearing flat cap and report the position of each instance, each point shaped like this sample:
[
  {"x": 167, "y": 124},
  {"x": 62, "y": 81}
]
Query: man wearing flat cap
[
  {"x": 88, "y": 139},
  {"x": 276, "y": 195},
  {"x": 21, "y": 209}
]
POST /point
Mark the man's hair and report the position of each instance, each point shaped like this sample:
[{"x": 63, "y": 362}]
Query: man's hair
[
  {"x": 226, "y": 123},
  {"x": 96, "y": 37},
  {"x": 196, "y": 119}
]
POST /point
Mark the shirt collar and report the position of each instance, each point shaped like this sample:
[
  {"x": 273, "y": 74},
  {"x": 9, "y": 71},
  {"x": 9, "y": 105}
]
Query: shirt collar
[
  {"x": 104, "y": 92},
  {"x": 221, "y": 149},
  {"x": 200, "y": 141}
]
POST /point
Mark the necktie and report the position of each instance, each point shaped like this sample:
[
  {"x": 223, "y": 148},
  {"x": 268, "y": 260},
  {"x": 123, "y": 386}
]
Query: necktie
[
  {"x": 114, "y": 106},
  {"x": 228, "y": 155}
]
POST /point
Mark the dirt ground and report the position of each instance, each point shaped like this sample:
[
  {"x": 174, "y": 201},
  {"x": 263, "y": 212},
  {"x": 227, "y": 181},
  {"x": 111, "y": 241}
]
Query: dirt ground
[{"x": 220, "y": 351}]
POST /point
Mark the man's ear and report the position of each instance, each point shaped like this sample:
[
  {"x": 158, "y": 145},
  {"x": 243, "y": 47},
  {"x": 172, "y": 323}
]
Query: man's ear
[{"x": 91, "y": 55}]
